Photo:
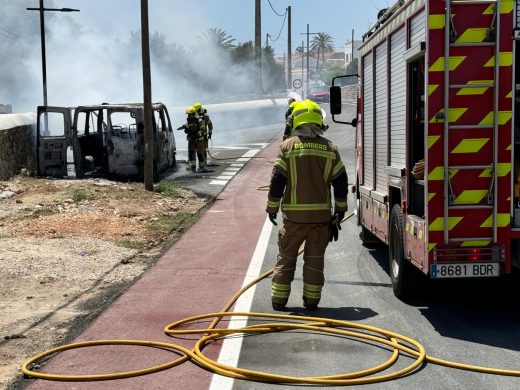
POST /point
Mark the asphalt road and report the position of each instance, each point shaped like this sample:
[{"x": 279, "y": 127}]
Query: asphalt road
[{"x": 474, "y": 321}]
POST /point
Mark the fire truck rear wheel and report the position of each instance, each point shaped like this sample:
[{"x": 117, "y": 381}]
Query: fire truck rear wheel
[{"x": 400, "y": 269}]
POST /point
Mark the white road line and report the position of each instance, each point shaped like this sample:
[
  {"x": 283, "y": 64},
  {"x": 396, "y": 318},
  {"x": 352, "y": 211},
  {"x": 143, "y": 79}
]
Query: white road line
[
  {"x": 218, "y": 182},
  {"x": 231, "y": 346},
  {"x": 224, "y": 177},
  {"x": 228, "y": 147},
  {"x": 247, "y": 156},
  {"x": 232, "y": 169}
]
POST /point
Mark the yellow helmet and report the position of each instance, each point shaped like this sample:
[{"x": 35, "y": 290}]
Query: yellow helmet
[
  {"x": 197, "y": 107},
  {"x": 191, "y": 111},
  {"x": 306, "y": 111}
]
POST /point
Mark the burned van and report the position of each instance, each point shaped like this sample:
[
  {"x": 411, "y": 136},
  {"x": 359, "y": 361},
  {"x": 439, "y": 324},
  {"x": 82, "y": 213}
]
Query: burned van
[{"x": 105, "y": 139}]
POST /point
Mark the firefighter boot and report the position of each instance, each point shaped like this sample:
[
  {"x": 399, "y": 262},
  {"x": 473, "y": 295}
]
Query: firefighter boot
[
  {"x": 309, "y": 306},
  {"x": 278, "y": 307}
]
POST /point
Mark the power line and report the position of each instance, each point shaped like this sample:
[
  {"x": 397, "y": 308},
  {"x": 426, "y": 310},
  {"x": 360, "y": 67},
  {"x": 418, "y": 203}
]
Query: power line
[
  {"x": 269, "y": 1},
  {"x": 9, "y": 32},
  {"x": 5, "y": 35},
  {"x": 283, "y": 24}
]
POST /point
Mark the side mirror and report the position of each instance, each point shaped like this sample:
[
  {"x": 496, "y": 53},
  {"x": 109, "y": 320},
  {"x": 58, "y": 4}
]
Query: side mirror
[{"x": 335, "y": 100}]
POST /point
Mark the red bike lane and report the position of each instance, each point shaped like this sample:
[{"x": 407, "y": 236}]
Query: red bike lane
[{"x": 197, "y": 275}]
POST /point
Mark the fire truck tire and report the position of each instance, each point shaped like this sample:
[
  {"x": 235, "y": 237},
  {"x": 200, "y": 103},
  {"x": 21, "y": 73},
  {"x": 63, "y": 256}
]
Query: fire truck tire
[{"x": 401, "y": 275}]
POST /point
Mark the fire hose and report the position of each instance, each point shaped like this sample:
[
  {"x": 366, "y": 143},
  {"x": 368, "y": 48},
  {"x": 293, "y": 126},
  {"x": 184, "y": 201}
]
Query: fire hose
[{"x": 399, "y": 343}]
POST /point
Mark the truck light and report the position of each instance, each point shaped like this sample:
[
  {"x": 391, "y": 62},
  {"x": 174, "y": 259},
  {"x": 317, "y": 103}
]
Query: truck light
[{"x": 458, "y": 254}]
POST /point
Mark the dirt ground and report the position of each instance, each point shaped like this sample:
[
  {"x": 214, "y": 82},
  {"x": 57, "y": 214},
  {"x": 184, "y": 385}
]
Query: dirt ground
[{"x": 68, "y": 248}]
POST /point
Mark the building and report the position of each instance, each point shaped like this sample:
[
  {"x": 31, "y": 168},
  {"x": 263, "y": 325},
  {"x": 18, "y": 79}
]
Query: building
[{"x": 349, "y": 57}]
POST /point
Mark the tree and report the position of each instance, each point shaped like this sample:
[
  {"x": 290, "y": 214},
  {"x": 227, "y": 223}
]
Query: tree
[
  {"x": 321, "y": 43},
  {"x": 352, "y": 67},
  {"x": 332, "y": 72},
  {"x": 243, "y": 52},
  {"x": 217, "y": 38}
]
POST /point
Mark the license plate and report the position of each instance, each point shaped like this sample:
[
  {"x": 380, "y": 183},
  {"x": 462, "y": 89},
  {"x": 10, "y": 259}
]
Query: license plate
[{"x": 464, "y": 270}]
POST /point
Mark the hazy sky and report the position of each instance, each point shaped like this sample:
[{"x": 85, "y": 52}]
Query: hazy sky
[
  {"x": 179, "y": 18},
  {"x": 90, "y": 59}
]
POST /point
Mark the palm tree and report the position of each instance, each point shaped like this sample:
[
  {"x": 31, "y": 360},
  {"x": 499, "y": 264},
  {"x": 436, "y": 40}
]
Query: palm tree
[
  {"x": 321, "y": 43},
  {"x": 217, "y": 38}
]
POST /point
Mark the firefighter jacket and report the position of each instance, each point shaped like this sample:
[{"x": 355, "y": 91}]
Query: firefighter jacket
[
  {"x": 194, "y": 129},
  {"x": 303, "y": 173},
  {"x": 208, "y": 125}
]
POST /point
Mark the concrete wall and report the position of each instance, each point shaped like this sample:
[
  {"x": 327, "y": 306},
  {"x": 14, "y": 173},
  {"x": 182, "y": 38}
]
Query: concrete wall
[{"x": 17, "y": 144}]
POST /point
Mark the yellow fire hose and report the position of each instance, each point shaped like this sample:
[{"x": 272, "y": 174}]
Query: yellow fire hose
[{"x": 399, "y": 344}]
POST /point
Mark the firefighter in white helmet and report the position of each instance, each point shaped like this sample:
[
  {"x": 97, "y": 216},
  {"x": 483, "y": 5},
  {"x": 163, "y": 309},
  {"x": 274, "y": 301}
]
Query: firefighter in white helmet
[{"x": 306, "y": 167}]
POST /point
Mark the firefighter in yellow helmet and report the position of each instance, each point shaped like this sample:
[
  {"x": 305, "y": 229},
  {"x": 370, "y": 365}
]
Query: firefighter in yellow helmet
[
  {"x": 207, "y": 129},
  {"x": 193, "y": 129},
  {"x": 306, "y": 167}
]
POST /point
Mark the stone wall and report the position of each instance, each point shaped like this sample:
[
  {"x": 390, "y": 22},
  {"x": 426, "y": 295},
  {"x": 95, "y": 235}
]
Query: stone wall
[
  {"x": 17, "y": 144},
  {"x": 6, "y": 109}
]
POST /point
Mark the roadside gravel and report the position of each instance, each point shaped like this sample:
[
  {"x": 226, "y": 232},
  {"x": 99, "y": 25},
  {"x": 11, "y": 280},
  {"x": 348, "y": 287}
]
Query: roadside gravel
[{"x": 68, "y": 248}]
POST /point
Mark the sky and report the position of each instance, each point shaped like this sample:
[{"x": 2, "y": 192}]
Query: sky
[
  {"x": 90, "y": 58},
  {"x": 177, "y": 18}
]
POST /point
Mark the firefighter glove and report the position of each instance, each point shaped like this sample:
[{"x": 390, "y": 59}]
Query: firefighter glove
[
  {"x": 335, "y": 227},
  {"x": 272, "y": 218},
  {"x": 340, "y": 215}
]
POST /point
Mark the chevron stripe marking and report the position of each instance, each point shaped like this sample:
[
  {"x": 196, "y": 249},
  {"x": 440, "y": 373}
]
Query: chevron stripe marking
[
  {"x": 471, "y": 196},
  {"x": 436, "y": 22},
  {"x": 503, "y": 118},
  {"x": 432, "y": 139},
  {"x": 453, "y": 115},
  {"x": 502, "y": 170},
  {"x": 475, "y": 243},
  {"x": 472, "y": 145},
  {"x": 473, "y": 35},
  {"x": 454, "y": 63},
  {"x": 506, "y": 7},
  {"x": 438, "y": 223},
  {"x": 502, "y": 221},
  {"x": 504, "y": 59}
]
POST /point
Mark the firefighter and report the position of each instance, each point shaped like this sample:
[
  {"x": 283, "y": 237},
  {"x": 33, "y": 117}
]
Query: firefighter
[
  {"x": 306, "y": 167},
  {"x": 207, "y": 130},
  {"x": 194, "y": 134},
  {"x": 288, "y": 126}
]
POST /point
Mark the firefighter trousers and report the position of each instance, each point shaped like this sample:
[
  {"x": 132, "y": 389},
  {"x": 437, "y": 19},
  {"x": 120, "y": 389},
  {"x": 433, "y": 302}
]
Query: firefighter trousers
[
  {"x": 290, "y": 238},
  {"x": 196, "y": 150}
]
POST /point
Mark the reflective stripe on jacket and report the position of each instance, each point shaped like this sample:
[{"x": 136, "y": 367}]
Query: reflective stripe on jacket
[{"x": 309, "y": 165}]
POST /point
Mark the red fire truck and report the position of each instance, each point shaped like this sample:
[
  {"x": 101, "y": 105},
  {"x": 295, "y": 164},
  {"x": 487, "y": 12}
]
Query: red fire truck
[{"x": 437, "y": 144}]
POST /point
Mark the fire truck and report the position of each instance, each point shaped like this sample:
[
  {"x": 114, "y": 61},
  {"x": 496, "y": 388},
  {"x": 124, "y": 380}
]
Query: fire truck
[{"x": 438, "y": 139}]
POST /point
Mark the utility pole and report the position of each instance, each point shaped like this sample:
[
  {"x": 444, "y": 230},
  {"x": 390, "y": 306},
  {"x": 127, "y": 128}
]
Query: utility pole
[
  {"x": 352, "y": 58},
  {"x": 289, "y": 49},
  {"x": 308, "y": 33},
  {"x": 303, "y": 50},
  {"x": 42, "y": 9},
  {"x": 147, "y": 99},
  {"x": 258, "y": 45}
]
